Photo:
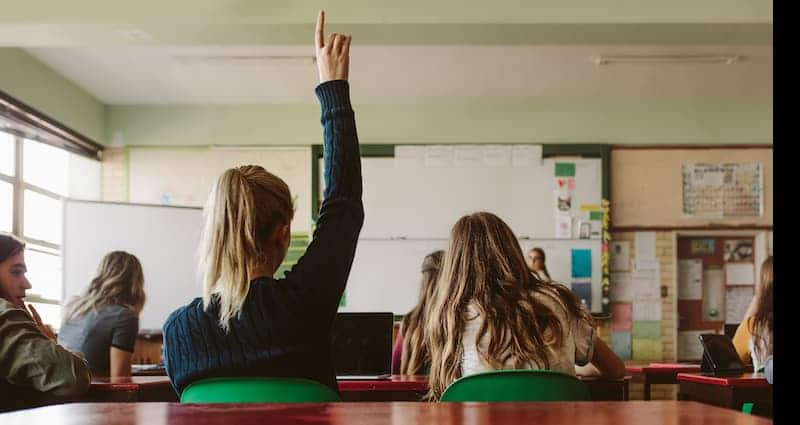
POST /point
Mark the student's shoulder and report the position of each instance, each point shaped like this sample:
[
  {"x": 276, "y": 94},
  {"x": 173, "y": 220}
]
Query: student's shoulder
[
  {"x": 183, "y": 313},
  {"x": 9, "y": 309}
]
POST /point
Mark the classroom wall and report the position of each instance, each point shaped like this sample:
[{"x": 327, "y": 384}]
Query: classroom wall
[
  {"x": 646, "y": 187},
  {"x": 32, "y": 82},
  {"x": 115, "y": 175},
  {"x": 734, "y": 120}
]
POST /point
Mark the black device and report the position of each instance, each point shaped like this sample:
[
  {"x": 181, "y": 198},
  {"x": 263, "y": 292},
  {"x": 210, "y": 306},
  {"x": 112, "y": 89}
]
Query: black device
[
  {"x": 362, "y": 345},
  {"x": 719, "y": 356}
]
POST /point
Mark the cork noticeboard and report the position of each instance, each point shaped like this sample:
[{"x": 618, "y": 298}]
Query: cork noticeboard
[{"x": 647, "y": 187}]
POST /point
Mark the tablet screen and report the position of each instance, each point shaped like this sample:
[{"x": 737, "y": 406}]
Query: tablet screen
[{"x": 721, "y": 352}]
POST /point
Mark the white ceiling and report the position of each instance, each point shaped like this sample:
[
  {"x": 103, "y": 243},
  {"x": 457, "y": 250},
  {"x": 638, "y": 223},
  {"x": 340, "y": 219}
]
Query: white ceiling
[{"x": 389, "y": 74}]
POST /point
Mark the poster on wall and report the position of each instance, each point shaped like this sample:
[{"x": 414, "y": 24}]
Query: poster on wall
[
  {"x": 723, "y": 190},
  {"x": 738, "y": 250}
]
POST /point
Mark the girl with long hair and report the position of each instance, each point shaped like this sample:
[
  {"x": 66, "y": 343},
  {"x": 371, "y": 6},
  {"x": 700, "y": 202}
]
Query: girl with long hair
[
  {"x": 753, "y": 338},
  {"x": 32, "y": 361},
  {"x": 249, "y": 323},
  {"x": 491, "y": 312},
  {"x": 102, "y": 323},
  {"x": 537, "y": 264},
  {"x": 410, "y": 355}
]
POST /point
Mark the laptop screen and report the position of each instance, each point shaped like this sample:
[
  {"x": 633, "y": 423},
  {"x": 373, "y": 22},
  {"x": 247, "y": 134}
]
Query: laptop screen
[{"x": 362, "y": 344}]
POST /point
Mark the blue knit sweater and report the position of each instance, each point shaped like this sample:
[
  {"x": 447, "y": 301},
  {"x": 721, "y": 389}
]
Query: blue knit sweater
[{"x": 285, "y": 324}]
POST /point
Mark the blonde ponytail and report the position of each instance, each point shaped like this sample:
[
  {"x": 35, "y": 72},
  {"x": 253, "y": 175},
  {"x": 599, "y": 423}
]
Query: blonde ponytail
[{"x": 244, "y": 209}]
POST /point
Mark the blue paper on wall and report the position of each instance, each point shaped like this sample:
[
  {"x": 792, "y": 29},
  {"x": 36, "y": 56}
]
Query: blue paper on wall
[
  {"x": 621, "y": 344},
  {"x": 583, "y": 291},
  {"x": 581, "y": 263}
]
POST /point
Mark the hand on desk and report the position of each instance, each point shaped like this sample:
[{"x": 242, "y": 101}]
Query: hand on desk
[{"x": 587, "y": 370}]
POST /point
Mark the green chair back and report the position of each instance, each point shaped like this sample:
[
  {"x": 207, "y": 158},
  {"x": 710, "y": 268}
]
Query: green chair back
[
  {"x": 257, "y": 390},
  {"x": 517, "y": 385}
]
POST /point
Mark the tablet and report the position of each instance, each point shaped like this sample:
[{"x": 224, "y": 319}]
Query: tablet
[{"x": 720, "y": 356}]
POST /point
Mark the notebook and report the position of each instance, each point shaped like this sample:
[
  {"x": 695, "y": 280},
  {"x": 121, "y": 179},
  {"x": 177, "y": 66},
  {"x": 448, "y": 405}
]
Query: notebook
[
  {"x": 719, "y": 356},
  {"x": 362, "y": 345}
]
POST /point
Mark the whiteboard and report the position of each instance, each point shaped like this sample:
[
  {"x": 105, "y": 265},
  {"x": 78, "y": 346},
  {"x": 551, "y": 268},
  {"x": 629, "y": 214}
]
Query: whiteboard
[
  {"x": 184, "y": 177},
  {"x": 163, "y": 238},
  {"x": 424, "y": 202},
  {"x": 386, "y": 273}
]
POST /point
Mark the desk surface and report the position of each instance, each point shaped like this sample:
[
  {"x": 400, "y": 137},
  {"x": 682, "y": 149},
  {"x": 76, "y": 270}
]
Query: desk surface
[
  {"x": 382, "y": 413},
  {"x": 743, "y": 380}
]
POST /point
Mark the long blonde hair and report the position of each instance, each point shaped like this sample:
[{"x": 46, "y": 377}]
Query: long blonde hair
[
  {"x": 416, "y": 356},
  {"x": 484, "y": 266},
  {"x": 245, "y": 208},
  {"x": 119, "y": 281}
]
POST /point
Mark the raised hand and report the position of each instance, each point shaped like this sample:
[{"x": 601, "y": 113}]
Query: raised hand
[{"x": 333, "y": 55}]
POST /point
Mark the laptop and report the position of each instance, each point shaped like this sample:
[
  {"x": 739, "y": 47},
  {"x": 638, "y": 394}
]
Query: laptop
[
  {"x": 362, "y": 346},
  {"x": 719, "y": 356}
]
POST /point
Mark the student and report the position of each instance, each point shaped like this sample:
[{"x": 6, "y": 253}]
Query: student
[
  {"x": 537, "y": 264},
  {"x": 29, "y": 356},
  {"x": 757, "y": 322},
  {"x": 410, "y": 355},
  {"x": 102, "y": 323},
  {"x": 248, "y": 323},
  {"x": 486, "y": 293}
]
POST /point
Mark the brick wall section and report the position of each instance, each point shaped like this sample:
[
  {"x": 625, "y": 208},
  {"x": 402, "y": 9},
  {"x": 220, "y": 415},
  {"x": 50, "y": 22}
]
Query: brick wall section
[
  {"x": 115, "y": 175},
  {"x": 665, "y": 254}
]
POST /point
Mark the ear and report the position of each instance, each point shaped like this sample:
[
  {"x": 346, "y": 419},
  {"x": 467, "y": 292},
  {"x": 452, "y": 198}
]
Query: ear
[{"x": 284, "y": 233}]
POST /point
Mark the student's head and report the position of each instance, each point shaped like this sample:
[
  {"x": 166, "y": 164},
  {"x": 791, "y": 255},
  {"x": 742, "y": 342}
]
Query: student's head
[
  {"x": 415, "y": 357},
  {"x": 536, "y": 260},
  {"x": 13, "y": 282},
  {"x": 484, "y": 267},
  {"x": 762, "y": 318},
  {"x": 247, "y": 231},
  {"x": 119, "y": 281}
]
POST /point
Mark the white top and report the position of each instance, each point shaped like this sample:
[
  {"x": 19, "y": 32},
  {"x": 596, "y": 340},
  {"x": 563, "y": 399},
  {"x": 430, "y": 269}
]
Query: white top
[
  {"x": 577, "y": 344},
  {"x": 757, "y": 363}
]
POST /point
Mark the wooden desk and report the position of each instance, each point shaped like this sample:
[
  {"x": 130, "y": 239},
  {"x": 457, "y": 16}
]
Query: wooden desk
[
  {"x": 398, "y": 413},
  {"x": 396, "y": 388},
  {"x": 730, "y": 392},
  {"x": 663, "y": 373}
]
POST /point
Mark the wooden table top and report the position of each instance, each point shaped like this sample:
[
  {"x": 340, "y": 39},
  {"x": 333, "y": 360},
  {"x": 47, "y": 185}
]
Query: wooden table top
[
  {"x": 612, "y": 413},
  {"x": 393, "y": 383},
  {"x": 743, "y": 380}
]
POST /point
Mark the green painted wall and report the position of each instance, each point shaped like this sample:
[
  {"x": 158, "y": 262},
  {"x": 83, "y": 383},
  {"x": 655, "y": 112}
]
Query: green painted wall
[
  {"x": 30, "y": 81},
  {"x": 534, "y": 120}
]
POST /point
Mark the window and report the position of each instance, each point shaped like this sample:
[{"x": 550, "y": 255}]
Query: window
[{"x": 40, "y": 179}]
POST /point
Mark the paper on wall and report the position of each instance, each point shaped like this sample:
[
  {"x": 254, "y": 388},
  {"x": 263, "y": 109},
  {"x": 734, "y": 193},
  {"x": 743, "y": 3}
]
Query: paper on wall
[
  {"x": 621, "y": 344},
  {"x": 647, "y": 284},
  {"x": 619, "y": 255},
  {"x": 690, "y": 279},
  {"x": 467, "y": 156},
  {"x": 406, "y": 156},
  {"x": 621, "y": 287},
  {"x": 736, "y": 303},
  {"x": 621, "y": 316},
  {"x": 526, "y": 155},
  {"x": 438, "y": 156},
  {"x": 497, "y": 155},
  {"x": 713, "y": 295},
  {"x": 689, "y": 347},
  {"x": 563, "y": 225},
  {"x": 649, "y": 309},
  {"x": 647, "y": 264},
  {"x": 645, "y": 246},
  {"x": 739, "y": 274}
]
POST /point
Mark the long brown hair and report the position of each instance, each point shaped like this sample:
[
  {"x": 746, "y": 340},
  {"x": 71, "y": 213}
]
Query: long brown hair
[
  {"x": 762, "y": 319},
  {"x": 245, "y": 208},
  {"x": 484, "y": 266},
  {"x": 119, "y": 281},
  {"x": 416, "y": 356}
]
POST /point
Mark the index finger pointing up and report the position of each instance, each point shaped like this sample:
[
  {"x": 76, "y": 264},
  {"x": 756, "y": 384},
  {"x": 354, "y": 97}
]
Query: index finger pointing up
[{"x": 320, "y": 32}]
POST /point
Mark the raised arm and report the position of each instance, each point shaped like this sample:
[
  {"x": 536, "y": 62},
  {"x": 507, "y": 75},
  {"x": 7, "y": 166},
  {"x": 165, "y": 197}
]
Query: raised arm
[{"x": 326, "y": 264}]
